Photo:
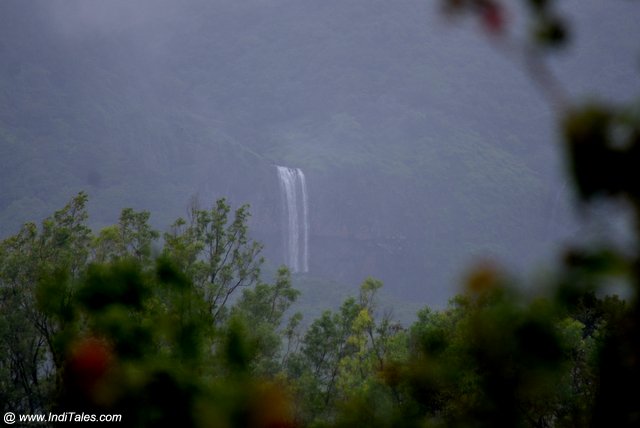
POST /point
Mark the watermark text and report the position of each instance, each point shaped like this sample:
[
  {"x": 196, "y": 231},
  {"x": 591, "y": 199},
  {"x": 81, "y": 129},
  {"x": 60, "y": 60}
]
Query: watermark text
[{"x": 11, "y": 418}]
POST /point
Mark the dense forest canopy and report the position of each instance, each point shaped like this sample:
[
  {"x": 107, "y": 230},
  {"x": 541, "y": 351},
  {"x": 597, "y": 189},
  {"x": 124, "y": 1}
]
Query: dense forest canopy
[{"x": 419, "y": 153}]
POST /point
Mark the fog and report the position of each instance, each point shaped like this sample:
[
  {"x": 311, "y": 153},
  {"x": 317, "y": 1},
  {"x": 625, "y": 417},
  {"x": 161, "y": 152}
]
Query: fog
[{"x": 424, "y": 146}]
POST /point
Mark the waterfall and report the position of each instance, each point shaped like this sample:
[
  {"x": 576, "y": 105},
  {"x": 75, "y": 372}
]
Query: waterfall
[{"x": 293, "y": 187}]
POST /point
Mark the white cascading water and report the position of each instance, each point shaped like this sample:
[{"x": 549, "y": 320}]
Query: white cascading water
[{"x": 296, "y": 210}]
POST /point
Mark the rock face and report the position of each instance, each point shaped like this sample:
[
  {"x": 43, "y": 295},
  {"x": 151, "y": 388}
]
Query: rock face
[
  {"x": 411, "y": 160},
  {"x": 361, "y": 225},
  {"x": 412, "y": 236},
  {"x": 357, "y": 227}
]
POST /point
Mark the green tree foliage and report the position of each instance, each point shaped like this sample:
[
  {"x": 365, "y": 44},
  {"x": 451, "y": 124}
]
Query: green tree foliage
[
  {"x": 341, "y": 356},
  {"x": 215, "y": 253},
  {"x": 564, "y": 358},
  {"x": 32, "y": 262},
  {"x": 99, "y": 323},
  {"x": 96, "y": 322},
  {"x": 131, "y": 237},
  {"x": 263, "y": 308},
  {"x": 495, "y": 358},
  {"x": 143, "y": 344}
]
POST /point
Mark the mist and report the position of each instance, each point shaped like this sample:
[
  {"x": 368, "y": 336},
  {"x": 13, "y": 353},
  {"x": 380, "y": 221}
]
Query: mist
[{"x": 424, "y": 147}]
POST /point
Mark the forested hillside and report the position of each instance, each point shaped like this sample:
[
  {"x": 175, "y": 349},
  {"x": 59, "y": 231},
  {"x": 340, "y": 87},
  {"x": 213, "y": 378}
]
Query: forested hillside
[
  {"x": 370, "y": 138},
  {"x": 423, "y": 147}
]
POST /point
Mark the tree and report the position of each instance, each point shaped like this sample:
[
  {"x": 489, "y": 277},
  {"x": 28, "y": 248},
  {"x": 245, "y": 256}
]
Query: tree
[
  {"x": 496, "y": 358},
  {"x": 342, "y": 356},
  {"x": 263, "y": 308},
  {"x": 91, "y": 321},
  {"x": 35, "y": 266},
  {"x": 564, "y": 356},
  {"x": 217, "y": 256},
  {"x": 131, "y": 237}
]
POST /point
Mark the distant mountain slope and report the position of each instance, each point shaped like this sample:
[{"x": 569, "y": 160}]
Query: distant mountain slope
[{"x": 423, "y": 146}]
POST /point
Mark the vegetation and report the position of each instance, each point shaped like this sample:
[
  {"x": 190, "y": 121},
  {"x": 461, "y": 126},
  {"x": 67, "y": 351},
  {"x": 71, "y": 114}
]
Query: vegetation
[
  {"x": 96, "y": 323},
  {"x": 143, "y": 106},
  {"x": 188, "y": 333}
]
